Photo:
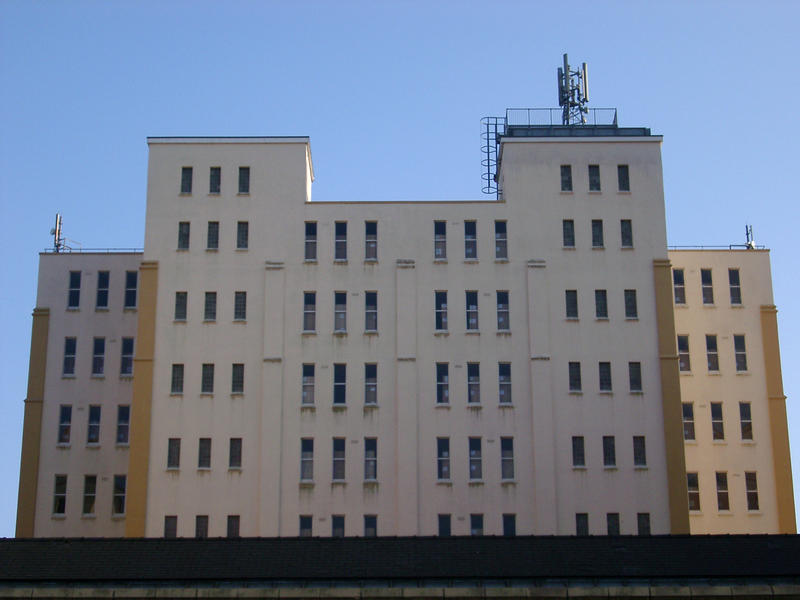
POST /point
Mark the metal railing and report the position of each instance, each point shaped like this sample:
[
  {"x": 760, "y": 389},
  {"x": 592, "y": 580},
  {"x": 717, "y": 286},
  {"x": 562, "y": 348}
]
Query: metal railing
[
  {"x": 528, "y": 117},
  {"x": 92, "y": 250}
]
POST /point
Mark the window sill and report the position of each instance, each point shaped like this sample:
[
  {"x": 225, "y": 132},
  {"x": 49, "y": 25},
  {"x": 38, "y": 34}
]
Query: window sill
[
  {"x": 307, "y": 408},
  {"x": 721, "y": 512},
  {"x": 237, "y": 394},
  {"x": 685, "y": 373},
  {"x": 306, "y": 483},
  {"x": 181, "y": 321},
  {"x": 240, "y": 321},
  {"x": 472, "y": 332},
  {"x": 370, "y": 261},
  {"x": 64, "y": 445},
  {"x": 579, "y": 468},
  {"x": 505, "y": 405},
  {"x": 573, "y": 319},
  {"x": 338, "y": 483},
  {"x": 370, "y": 407},
  {"x": 173, "y": 469},
  {"x": 754, "y": 513},
  {"x": 442, "y": 405},
  {"x": 308, "y": 332},
  {"x": 214, "y": 194},
  {"x": 129, "y": 309},
  {"x": 126, "y": 376},
  {"x": 441, "y": 332},
  {"x": 93, "y": 446},
  {"x": 73, "y": 309},
  {"x": 440, "y": 260},
  {"x": 310, "y": 261},
  {"x": 67, "y": 376},
  {"x": 206, "y": 394},
  {"x": 339, "y": 407},
  {"x": 474, "y": 406},
  {"x": 58, "y": 517},
  {"x": 203, "y": 469},
  {"x": 371, "y": 483},
  {"x": 209, "y": 320},
  {"x": 636, "y": 393},
  {"x": 88, "y": 517},
  {"x": 598, "y": 247},
  {"x": 748, "y": 442},
  {"x": 680, "y": 305},
  {"x": 745, "y": 373},
  {"x": 118, "y": 517},
  {"x": 624, "y": 192},
  {"x": 340, "y": 333},
  {"x": 714, "y": 374},
  {"x": 98, "y": 376},
  {"x": 640, "y": 467},
  {"x": 122, "y": 445},
  {"x": 446, "y": 482},
  {"x": 242, "y": 249},
  {"x": 568, "y": 248},
  {"x": 471, "y": 260},
  {"x": 234, "y": 469},
  {"x": 475, "y": 482},
  {"x": 737, "y": 305},
  {"x": 508, "y": 482},
  {"x": 212, "y": 249},
  {"x": 606, "y": 393},
  {"x": 243, "y": 194},
  {"x": 605, "y": 319},
  {"x": 692, "y": 442},
  {"x": 503, "y": 332},
  {"x": 340, "y": 261},
  {"x": 100, "y": 309},
  {"x": 185, "y": 195},
  {"x": 709, "y": 305},
  {"x": 609, "y": 467},
  {"x": 719, "y": 442},
  {"x": 501, "y": 260},
  {"x": 576, "y": 393},
  {"x": 595, "y": 192},
  {"x": 631, "y": 318},
  {"x": 370, "y": 332},
  {"x": 176, "y": 394},
  {"x": 181, "y": 250}
]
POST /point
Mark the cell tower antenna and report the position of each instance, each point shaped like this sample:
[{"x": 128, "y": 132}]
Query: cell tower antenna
[
  {"x": 58, "y": 239},
  {"x": 748, "y": 232},
  {"x": 573, "y": 93}
]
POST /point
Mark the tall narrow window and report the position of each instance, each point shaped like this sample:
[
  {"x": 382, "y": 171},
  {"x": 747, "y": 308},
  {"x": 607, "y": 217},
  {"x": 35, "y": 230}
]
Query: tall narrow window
[
  {"x": 186, "y": 180},
  {"x": 370, "y": 525},
  {"x": 509, "y": 525},
  {"x": 207, "y": 379},
  {"x": 687, "y": 409},
  {"x": 89, "y": 493},
  {"x": 442, "y": 383},
  {"x": 631, "y": 306},
  {"x": 712, "y": 355},
  {"x": 306, "y": 459},
  {"x": 639, "y": 451},
  {"x": 170, "y": 526},
  {"x": 472, "y": 310},
  {"x": 371, "y": 240},
  {"x": 597, "y": 233},
  {"x": 594, "y": 178},
  {"x": 717, "y": 425},
  {"x": 204, "y": 453},
  {"x": 578, "y": 451},
  {"x": 683, "y": 353},
  {"x": 475, "y": 459},
  {"x": 183, "y": 235},
  {"x": 612, "y": 523},
  {"x": 444, "y": 525},
  {"x": 604, "y": 372},
  {"x": 64, "y": 423},
  {"x": 176, "y": 381},
  {"x": 339, "y": 383},
  {"x": 693, "y": 487},
  {"x": 338, "y": 459},
  {"x": 60, "y": 495},
  {"x": 566, "y": 178},
  {"x": 371, "y": 384},
  {"x": 340, "y": 312},
  {"x": 443, "y": 458},
  {"x": 500, "y": 240},
  {"x": 626, "y": 233},
  {"x": 574, "y": 377},
  {"x": 123, "y": 423},
  {"x": 723, "y": 502},
  {"x": 635, "y": 376},
  {"x": 126, "y": 358},
  {"x": 308, "y": 384},
  {"x": 98, "y": 356},
  {"x": 745, "y": 420},
  {"x": 643, "y": 523},
  {"x": 244, "y": 180},
  {"x": 736, "y": 287},
  {"x": 309, "y": 311},
  {"x": 507, "y": 458},
  {"x": 173, "y": 453},
  {"x": 201, "y": 527},
  {"x": 370, "y": 311},
  {"x": 237, "y": 378},
  {"x": 340, "y": 240},
  {"x": 441, "y": 311},
  {"x": 242, "y": 235},
  {"x": 214, "y": 180},
  {"x": 118, "y": 499},
  {"x": 571, "y": 302},
  {"x": 504, "y": 379},
  {"x": 305, "y": 526},
  {"x": 600, "y": 304},
  {"x": 370, "y": 459},
  {"x": 210, "y": 307},
  {"x": 751, "y": 486},
  {"x": 741, "y": 353},
  {"x": 679, "y": 286},
  {"x": 212, "y": 236},
  {"x": 131, "y": 286},
  {"x": 470, "y": 240},
  {"x": 70, "y": 348},
  {"x": 233, "y": 526},
  {"x": 609, "y": 451},
  {"x": 476, "y": 524},
  {"x": 311, "y": 241},
  {"x": 102, "y": 290},
  {"x": 582, "y": 524},
  {"x": 180, "y": 305},
  {"x": 623, "y": 179},
  {"x": 568, "y": 233},
  {"x": 74, "y": 291},
  {"x": 503, "y": 315},
  {"x": 235, "y": 453},
  {"x": 473, "y": 383},
  {"x": 240, "y": 306},
  {"x": 707, "y": 286},
  {"x": 440, "y": 240}
]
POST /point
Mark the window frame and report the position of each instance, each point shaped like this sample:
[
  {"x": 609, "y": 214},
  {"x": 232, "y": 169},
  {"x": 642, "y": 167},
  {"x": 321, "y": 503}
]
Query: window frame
[
  {"x": 184, "y": 235},
  {"x": 235, "y": 453},
  {"x": 635, "y": 377},
  {"x": 173, "y": 453},
  {"x": 237, "y": 378},
  {"x": 568, "y": 233},
  {"x": 309, "y": 312},
  {"x": 103, "y": 283},
  {"x": 131, "y": 294},
  {"x": 442, "y": 383},
  {"x": 723, "y": 497},
  {"x": 574, "y": 377},
  {"x": 94, "y": 417},
  {"x": 310, "y": 242},
  {"x": 119, "y": 491},
  {"x": 735, "y": 286},
  {"x": 240, "y": 306},
  {"x": 204, "y": 453},
  {"x": 307, "y": 459},
  {"x": 207, "y": 378},
  {"x": 679, "y": 288},
  {"x": 60, "y": 494},
  {"x": 601, "y": 305},
  {"x": 594, "y": 178},
  {"x": 503, "y": 310},
  {"x": 370, "y": 459},
  {"x": 340, "y": 241},
  {"x": 89, "y": 495},
  {"x": 187, "y": 174},
  {"x": 578, "y": 452},
  {"x": 609, "y": 452},
  {"x": 687, "y": 418},
  {"x": 751, "y": 490},
  {"x": 473, "y": 383},
  {"x": 440, "y": 240},
  {"x": 440, "y": 310},
  {"x": 212, "y": 235},
  {"x": 566, "y": 178},
  {"x": 740, "y": 353},
  {"x": 370, "y": 241},
  {"x": 504, "y": 392},
  {"x": 639, "y": 451},
  {"x": 308, "y": 384},
  {"x": 244, "y": 181},
  {"x": 70, "y": 356},
  {"x": 242, "y": 235},
  {"x": 214, "y": 181},
  {"x": 443, "y": 472},
  {"x": 605, "y": 383},
  {"x": 98, "y": 356},
  {"x": 471, "y": 310},
  {"x": 177, "y": 378},
  {"x": 571, "y": 304},
  {"x": 707, "y": 286},
  {"x": 370, "y": 384},
  {"x": 712, "y": 353},
  {"x": 127, "y": 353},
  {"x": 340, "y": 312},
  {"x": 74, "y": 290},
  {"x": 598, "y": 238},
  {"x": 717, "y": 422},
  {"x": 745, "y": 421},
  {"x": 500, "y": 240},
  {"x": 470, "y": 240},
  {"x": 370, "y": 311},
  {"x": 693, "y": 490},
  {"x": 623, "y": 178},
  {"x": 181, "y": 306},
  {"x": 475, "y": 449},
  {"x": 340, "y": 384},
  {"x": 684, "y": 357},
  {"x": 123, "y": 424},
  {"x": 210, "y": 307},
  {"x": 64, "y": 424},
  {"x": 631, "y": 305}
]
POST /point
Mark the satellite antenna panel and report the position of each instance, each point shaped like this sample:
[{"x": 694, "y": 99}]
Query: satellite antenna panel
[{"x": 585, "y": 77}]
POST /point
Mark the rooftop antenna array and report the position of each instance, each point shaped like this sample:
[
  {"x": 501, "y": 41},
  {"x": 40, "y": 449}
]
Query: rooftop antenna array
[
  {"x": 573, "y": 93},
  {"x": 58, "y": 240},
  {"x": 748, "y": 232}
]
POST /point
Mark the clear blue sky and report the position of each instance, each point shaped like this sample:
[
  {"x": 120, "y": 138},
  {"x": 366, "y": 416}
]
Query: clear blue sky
[{"x": 381, "y": 88}]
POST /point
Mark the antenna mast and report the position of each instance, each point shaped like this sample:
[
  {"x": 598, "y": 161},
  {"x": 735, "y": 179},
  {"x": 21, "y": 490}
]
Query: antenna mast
[
  {"x": 58, "y": 240},
  {"x": 573, "y": 94}
]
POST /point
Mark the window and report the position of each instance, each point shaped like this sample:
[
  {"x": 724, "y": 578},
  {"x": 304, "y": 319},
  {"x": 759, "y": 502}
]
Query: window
[
  {"x": 370, "y": 525},
  {"x": 201, "y": 527},
  {"x": 643, "y": 523},
  {"x": 683, "y": 353},
  {"x": 597, "y": 233},
  {"x": 237, "y": 378},
  {"x": 244, "y": 180},
  {"x": 717, "y": 426},
  {"x": 126, "y": 359},
  {"x": 639, "y": 451},
  {"x": 503, "y": 320},
  {"x": 308, "y": 384},
  {"x": 609, "y": 451},
  {"x": 442, "y": 383},
  {"x": 89, "y": 493},
  {"x": 210, "y": 309},
  {"x": 204, "y": 453},
  {"x": 509, "y": 525},
  {"x": 74, "y": 291},
  {"x": 212, "y": 237},
  {"x": 500, "y": 240},
  {"x": 693, "y": 486},
  {"x": 679, "y": 286},
  {"x": 60, "y": 495},
  {"x": 443, "y": 458},
  {"x": 240, "y": 306},
  {"x": 339, "y": 383},
  {"x": 70, "y": 347},
  {"x": 441, "y": 310},
  {"x": 174, "y": 453},
  {"x": 207, "y": 379},
  {"x": 311, "y": 241},
  {"x": 371, "y": 384},
  {"x": 475, "y": 461},
  {"x": 708, "y": 289},
  {"x": 635, "y": 376},
  {"x": 370, "y": 459},
  {"x": 235, "y": 453},
  {"x": 444, "y": 525},
  {"x": 307, "y": 460},
  {"x": 98, "y": 356},
  {"x": 745, "y": 420},
  {"x": 340, "y": 312},
  {"x": 712, "y": 355},
  {"x": 440, "y": 240},
  {"x": 604, "y": 372},
  {"x": 370, "y": 311},
  {"x": 626, "y": 233},
  {"x": 578, "y": 451},
  {"x": 476, "y": 524},
  {"x": 370, "y": 240},
  {"x": 180, "y": 306},
  {"x": 131, "y": 284},
  {"x": 751, "y": 486},
  {"x": 338, "y": 459},
  {"x": 581, "y": 524},
  {"x": 470, "y": 240},
  {"x": 741, "y": 354},
  {"x": 214, "y": 180},
  {"x": 305, "y": 526},
  {"x": 309, "y": 311},
  {"x": 337, "y": 526},
  {"x": 102, "y": 289},
  {"x": 472, "y": 311},
  {"x": 340, "y": 241},
  {"x": 688, "y": 420},
  {"x": 736, "y": 287},
  {"x": 183, "y": 235},
  {"x": 186, "y": 180},
  {"x": 176, "y": 383},
  {"x": 612, "y": 523},
  {"x": 631, "y": 308},
  {"x": 507, "y": 458},
  {"x": 594, "y": 178},
  {"x": 123, "y": 423},
  {"x": 623, "y": 179},
  {"x": 723, "y": 502},
  {"x": 118, "y": 499},
  {"x": 242, "y": 235},
  {"x": 566, "y": 178},
  {"x": 568, "y": 233},
  {"x": 504, "y": 379},
  {"x": 571, "y": 301},
  {"x": 171, "y": 526},
  {"x": 64, "y": 423},
  {"x": 233, "y": 520},
  {"x": 574, "y": 377},
  {"x": 600, "y": 304}
]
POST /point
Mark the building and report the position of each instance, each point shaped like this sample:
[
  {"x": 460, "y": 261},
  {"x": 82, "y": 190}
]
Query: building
[{"x": 380, "y": 368}]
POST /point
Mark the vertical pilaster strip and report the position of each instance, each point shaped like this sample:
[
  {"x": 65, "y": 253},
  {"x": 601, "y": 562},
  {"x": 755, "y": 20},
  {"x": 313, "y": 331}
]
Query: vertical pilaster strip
[
  {"x": 779, "y": 431},
  {"x": 139, "y": 461},
  {"x": 32, "y": 427},
  {"x": 671, "y": 398}
]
